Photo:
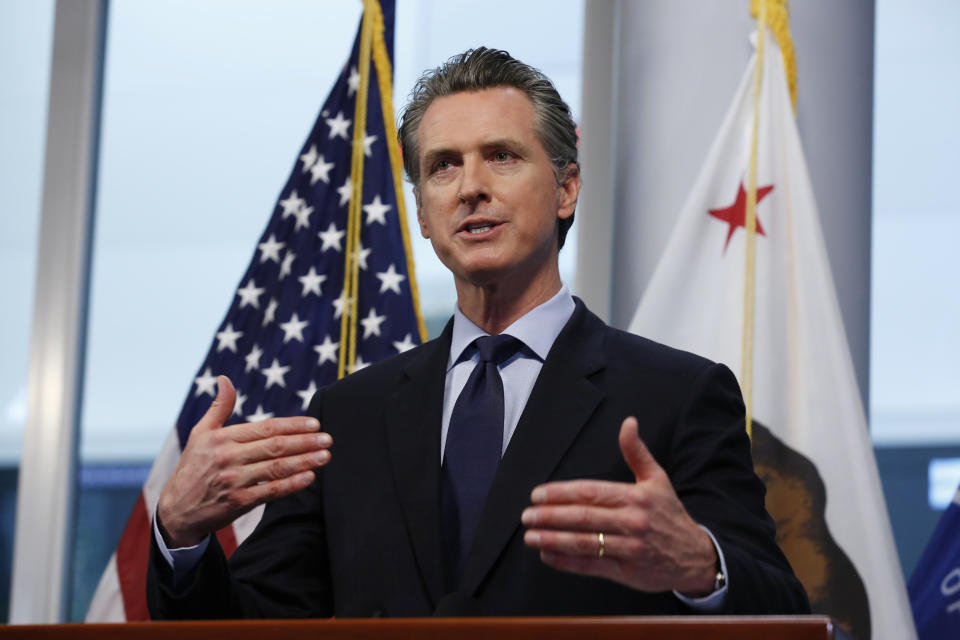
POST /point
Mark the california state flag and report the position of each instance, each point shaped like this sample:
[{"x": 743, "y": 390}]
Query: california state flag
[{"x": 810, "y": 439}]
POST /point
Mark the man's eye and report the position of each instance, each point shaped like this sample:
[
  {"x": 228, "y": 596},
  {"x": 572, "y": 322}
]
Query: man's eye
[
  {"x": 501, "y": 156},
  {"x": 441, "y": 165}
]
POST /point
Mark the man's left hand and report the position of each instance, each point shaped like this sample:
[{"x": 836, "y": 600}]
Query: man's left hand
[{"x": 649, "y": 543}]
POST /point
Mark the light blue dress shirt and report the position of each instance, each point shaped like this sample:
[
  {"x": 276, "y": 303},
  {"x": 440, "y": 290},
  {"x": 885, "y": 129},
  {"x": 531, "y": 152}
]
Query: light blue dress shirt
[{"x": 537, "y": 330}]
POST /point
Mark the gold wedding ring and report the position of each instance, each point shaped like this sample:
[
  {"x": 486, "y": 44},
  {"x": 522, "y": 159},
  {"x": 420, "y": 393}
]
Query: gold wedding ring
[{"x": 601, "y": 548}]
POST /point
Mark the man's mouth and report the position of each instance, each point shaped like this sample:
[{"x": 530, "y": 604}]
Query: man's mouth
[{"x": 479, "y": 227}]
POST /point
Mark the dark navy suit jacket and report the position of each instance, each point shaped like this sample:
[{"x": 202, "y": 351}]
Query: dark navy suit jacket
[{"x": 364, "y": 539}]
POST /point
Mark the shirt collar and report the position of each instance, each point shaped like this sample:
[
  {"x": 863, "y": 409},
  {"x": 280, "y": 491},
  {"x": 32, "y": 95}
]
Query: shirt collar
[{"x": 537, "y": 329}]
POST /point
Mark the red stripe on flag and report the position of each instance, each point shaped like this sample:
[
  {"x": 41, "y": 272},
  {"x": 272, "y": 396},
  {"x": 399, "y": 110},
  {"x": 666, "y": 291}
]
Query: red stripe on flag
[
  {"x": 227, "y": 539},
  {"x": 132, "y": 555}
]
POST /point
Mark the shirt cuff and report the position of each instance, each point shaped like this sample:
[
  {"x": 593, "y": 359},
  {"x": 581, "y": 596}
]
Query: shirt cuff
[
  {"x": 181, "y": 559},
  {"x": 713, "y": 602}
]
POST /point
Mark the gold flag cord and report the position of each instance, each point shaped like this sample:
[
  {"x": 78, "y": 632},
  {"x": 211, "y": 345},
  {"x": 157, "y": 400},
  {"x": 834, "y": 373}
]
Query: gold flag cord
[
  {"x": 775, "y": 15},
  {"x": 372, "y": 46},
  {"x": 348, "y": 319},
  {"x": 749, "y": 281},
  {"x": 778, "y": 21},
  {"x": 381, "y": 62}
]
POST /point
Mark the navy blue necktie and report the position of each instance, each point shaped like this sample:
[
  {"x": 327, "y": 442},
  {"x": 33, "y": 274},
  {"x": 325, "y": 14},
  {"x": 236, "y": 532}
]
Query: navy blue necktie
[{"x": 472, "y": 452}]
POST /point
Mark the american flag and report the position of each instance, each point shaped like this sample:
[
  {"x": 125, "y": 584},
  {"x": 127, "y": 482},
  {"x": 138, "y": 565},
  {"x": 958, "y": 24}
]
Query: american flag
[{"x": 281, "y": 338}]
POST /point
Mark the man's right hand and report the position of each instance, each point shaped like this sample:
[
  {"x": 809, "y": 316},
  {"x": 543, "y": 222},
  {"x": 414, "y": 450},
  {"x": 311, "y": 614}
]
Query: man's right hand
[{"x": 223, "y": 473}]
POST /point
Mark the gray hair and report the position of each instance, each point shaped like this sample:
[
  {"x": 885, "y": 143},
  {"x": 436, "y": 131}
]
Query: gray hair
[{"x": 483, "y": 68}]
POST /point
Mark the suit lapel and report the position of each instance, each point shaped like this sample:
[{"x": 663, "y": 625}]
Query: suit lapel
[
  {"x": 414, "y": 413},
  {"x": 561, "y": 402}
]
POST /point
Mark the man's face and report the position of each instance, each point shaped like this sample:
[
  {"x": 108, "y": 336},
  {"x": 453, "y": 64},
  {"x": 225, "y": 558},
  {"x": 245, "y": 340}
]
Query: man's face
[{"x": 488, "y": 198}]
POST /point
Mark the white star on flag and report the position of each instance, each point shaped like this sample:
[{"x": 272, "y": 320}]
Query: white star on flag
[
  {"x": 227, "y": 339},
  {"x": 275, "y": 374},
  {"x": 293, "y": 330},
  {"x": 367, "y": 142},
  {"x": 371, "y": 324},
  {"x": 308, "y": 159},
  {"x": 331, "y": 238},
  {"x": 362, "y": 256},
  {"x": 250, "y": 295},
  {"x": 390, "y": 280},
  {"x": 353, "y": 82},
  {"x": 326, "y": 350},
  {"x": 338, "y": 126},
  {"x": 270, "y": 250},
  {"x": 206, "y": 383},
  {"x": 311, "y": 282},
  {"x": 404, "y": 345},
  {"x": 259, "y": 415},
  {"x": 320, "y": 171},
  {"x": 359, "y": 364},
  {"x": 287, "y": 265},
  {"x": 303, "y": 217},
  {"x": 306, "y": 394},
  {"x": 345, "y": 191},
  {"x": 270, "y": 314},
  {"x": 291, "y": 205},
  {"x": 339, "y": 304},
  {"x": 238, "y": 404},
  {"x": 253, "y": 359},
  {"x": 376, "y": 211}
]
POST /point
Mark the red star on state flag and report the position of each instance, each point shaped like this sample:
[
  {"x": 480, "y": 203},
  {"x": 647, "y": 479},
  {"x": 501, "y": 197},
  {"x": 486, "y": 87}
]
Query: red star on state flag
[{"x": 736, "y": 214}]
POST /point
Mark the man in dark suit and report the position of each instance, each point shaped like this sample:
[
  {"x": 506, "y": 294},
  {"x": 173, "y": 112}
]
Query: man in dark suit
[{"x": 412, "y": 517}]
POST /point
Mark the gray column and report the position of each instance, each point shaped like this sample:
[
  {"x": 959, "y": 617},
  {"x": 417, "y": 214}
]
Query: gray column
[
  {"x": 679, "y": 62},
  {"x": 595, "y": 211},
  {"x": 48, "y": 464}
]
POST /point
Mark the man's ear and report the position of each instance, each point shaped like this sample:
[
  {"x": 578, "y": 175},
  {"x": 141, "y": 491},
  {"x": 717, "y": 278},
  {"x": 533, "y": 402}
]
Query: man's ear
[
  {"x": 424, "y": 231},
  {"x": 568, "y": 191}
]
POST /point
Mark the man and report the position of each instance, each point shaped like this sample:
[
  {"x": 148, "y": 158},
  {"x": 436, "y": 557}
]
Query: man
[{"x": 625, "y": 484}]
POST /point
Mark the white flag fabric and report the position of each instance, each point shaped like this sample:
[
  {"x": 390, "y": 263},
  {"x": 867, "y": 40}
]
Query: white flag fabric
[{"x": 811, "y": 443}]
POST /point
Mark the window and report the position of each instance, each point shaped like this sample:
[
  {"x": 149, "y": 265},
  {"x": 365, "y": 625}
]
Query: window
[{"x": 914, "y": 379}]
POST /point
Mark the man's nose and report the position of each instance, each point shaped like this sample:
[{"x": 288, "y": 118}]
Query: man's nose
[{"x": 474, "y": 182}]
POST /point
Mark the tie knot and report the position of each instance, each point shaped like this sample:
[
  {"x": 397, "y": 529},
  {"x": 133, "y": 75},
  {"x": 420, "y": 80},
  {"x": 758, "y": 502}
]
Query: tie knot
[{"x": 497, "y": 349}]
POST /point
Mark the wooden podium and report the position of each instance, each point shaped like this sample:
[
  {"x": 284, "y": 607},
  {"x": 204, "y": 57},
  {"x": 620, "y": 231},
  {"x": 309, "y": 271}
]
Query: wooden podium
[{"x": 652, "y": 628}]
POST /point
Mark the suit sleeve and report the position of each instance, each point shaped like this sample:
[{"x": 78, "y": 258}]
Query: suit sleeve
[
  {"x": 712, "y": 471},
  {"x": 280, "y": 571}
]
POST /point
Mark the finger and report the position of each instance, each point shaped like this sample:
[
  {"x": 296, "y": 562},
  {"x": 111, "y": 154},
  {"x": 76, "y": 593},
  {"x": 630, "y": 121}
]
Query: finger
[
  {"x": 635, "y": 452},
  {"x": 246, "y": 498},
  {"x": 584, "y": 545},
  {"x": 583, "y": 492},
  {"x": 281, "y": 468},
  {"x": 272, "y": 427},
  {"x": 281, "y": 446},
  {"x": 581, "y": 518},
  {"x": 222, "y": 407}
]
